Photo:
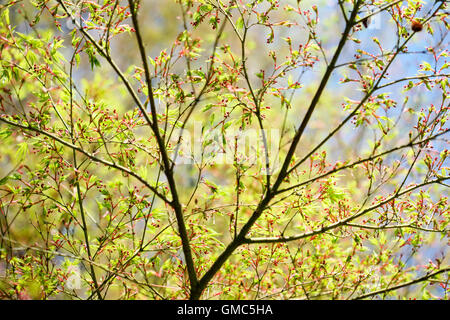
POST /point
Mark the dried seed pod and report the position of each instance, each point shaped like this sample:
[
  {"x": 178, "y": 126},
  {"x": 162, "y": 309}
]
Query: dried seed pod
[
  {"x": 416, "y": 26},
  {"x": 366, "y": 22}
]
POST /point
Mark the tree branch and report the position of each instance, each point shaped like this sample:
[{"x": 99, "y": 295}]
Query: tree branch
[
  {"x": 167, "y": 168},
  {"x": 371, "y": 158},
  {"x": 270, "y": 193},
  {"x": 90, "y": 156},
  {"x": 406, "y": 284},
  {"x": 341, "y": 223},
  {"x": 111, "y": 62}
]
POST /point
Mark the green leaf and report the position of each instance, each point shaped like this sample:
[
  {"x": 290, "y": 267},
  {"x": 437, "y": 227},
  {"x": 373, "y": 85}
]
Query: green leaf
[
  {"x": 4, "y": 180},
  {"x": 5, "y": 15},
  {"x": 240, "y": 23},
  {"x": 5, "y": 133},
  {"x": 77, "y": 59},
  {"x": 207, "y": 107},
  {"x": 22, "y": 151}
]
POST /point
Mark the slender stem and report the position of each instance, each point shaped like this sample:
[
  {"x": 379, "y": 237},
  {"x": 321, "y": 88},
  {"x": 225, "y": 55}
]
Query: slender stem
[
  {"x": 111, "y": 62},
  {"x": 84, "y": 225},
  {"x": 270, "y": 193},
  {"x": 343, "y": 222},
  {"x": 90, "y": 156},
  {"x": 366, "y": 97},
  {"x": 387, "y": 6},
  {"x": 371, "y": 158},
  {"x": 403, "y": 285},
  {"x": 167, "y": 168}
]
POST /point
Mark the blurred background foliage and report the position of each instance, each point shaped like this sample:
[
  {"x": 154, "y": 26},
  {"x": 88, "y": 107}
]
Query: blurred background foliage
[{"x": 116, "y": 206}]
